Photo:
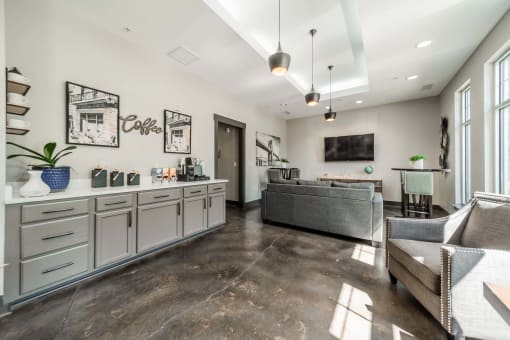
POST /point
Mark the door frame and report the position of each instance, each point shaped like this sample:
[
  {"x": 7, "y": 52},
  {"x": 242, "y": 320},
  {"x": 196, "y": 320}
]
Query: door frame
[{"x": 242, "y": 152}]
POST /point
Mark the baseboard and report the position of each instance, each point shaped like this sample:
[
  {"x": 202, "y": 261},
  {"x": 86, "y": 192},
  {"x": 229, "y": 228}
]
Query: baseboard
[{"x": 253, "y": 204}]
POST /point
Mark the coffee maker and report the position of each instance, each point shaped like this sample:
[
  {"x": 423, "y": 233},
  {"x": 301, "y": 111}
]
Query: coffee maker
[{"x": 190, "y": 169}]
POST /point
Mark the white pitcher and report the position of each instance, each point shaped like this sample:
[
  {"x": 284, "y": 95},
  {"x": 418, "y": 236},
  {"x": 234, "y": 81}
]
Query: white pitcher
[{"x": 35, "y": 185}]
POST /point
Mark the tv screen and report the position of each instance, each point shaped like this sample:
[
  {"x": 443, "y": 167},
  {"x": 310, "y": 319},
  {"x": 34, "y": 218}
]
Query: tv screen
[{"x": 349, "y": 148}]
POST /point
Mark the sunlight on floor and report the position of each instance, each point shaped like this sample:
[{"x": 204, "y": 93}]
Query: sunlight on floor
[
  {"x": 397, "y": 331},
  {"x": 364, "y": 253},
  {"x": 352, "y": 319}
]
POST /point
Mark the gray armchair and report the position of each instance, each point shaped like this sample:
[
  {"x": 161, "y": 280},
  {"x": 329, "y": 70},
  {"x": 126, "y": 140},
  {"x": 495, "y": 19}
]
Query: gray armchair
[{"x": 445, "y": 262}]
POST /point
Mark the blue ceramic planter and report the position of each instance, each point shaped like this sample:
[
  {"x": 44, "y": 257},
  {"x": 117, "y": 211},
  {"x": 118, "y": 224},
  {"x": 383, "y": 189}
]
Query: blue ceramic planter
[{"x": 56, "y": 178}]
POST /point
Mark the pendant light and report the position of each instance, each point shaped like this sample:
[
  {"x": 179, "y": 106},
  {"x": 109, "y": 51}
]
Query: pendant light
[
  {"x": 312, "y": 98},
  {"x": 330, "y": 115},
  {"x": 279, "y": 61}
]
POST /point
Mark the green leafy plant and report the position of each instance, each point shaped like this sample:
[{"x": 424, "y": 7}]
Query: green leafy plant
[
  {"x": 416, "y": 158},
  {"x": 284, "y": 160},
  {"x": 48, "y": 157}
]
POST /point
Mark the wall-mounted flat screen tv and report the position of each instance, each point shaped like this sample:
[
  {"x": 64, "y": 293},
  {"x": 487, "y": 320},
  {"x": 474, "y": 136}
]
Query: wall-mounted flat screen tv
[{"x": 349, "y": 148}]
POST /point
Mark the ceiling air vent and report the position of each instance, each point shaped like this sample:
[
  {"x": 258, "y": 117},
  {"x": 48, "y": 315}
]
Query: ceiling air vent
[
  {"x": 286, "y": 112},
  {"x": 426, "y": 87},
  {"x": 183, "y": 55}
]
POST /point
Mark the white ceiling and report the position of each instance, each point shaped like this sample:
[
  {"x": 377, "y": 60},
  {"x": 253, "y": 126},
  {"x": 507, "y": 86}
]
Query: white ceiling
[{"x": 371, "y": 43}]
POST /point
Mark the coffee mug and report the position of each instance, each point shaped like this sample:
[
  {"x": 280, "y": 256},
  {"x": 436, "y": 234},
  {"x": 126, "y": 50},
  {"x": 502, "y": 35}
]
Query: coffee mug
[
  {"x": 17, "y": 123},
  {"x": 17, "y": 99}
]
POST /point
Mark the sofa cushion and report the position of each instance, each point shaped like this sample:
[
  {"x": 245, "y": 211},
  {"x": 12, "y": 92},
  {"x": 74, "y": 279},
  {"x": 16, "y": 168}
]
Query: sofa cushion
[
  {"x": 341, "y": 185},
  {"x": 369, "y": 186},
  {"x": 315, "y": 183},
  {"x": 488, "y": 226},
  {"x": 421, "y": 259},
  {"x": 283, "y": 181},
  {"x": 310, "y": 190}
]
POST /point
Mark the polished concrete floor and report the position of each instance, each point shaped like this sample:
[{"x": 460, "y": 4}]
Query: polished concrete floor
[{"x": 247, "y": 280}]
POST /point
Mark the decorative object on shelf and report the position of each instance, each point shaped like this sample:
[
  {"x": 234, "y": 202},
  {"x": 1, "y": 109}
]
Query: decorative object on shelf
[
  {"x": 15, "y": 76},
  {"x": 147, "y": 126},
  {"x": 35, "y": 185},
  {"x": 312, "y": 98},
  {"x": 157, "y": 175},
  {"x": 445, "y": 144},
  {"x": 57, "y": 178},
  {"x": 330, "y": 116},
  {"x": 416, "y": 161},
  {"x": 133, "y": 178},
  {"x": 16, "y": 103},
  {"x": 92, "y": 116},
  {"x": 267, "y": 149},
  {"x": 99, "y": 177},
  {"x": 16, "y": 99},
  {"x": 19, "y": 124},
  {"x": 284, "y": 162},
  {"x": 279, "y": 61},
  {"x": 369, "y": 169},
  {"x": 177, "y": 132},
  {"x": 117, "y": 178}
]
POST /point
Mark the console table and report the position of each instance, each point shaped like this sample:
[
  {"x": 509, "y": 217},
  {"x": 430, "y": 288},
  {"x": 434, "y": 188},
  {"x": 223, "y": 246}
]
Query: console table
[{"x": 378, "y": 183}]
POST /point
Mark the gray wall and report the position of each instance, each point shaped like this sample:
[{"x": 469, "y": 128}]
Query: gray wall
[
  {"x": 401, "y": 130},
  {"x": 478, "y": 69},
  {"x": 51, "y": 46},
  {"x": 2, "y": 144}
]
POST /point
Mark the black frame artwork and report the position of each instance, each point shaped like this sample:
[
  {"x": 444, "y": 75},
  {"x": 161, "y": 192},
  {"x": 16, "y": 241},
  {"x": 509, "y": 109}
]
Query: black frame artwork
[
  {"x": 98, "y": 100},
  {"x": 166, "y": 123}
]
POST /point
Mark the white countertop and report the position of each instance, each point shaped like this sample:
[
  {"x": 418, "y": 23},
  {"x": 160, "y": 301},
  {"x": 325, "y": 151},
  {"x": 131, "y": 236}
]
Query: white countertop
[{"x": 81, "y": 188}]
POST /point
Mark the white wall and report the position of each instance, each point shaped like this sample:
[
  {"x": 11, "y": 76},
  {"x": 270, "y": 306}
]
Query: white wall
[
  {"x": 401, "y": 130},
  {"x": 51, "y": 47},
  {"x": 2, "y": 144},
  {"x": 476, "y": 68}
]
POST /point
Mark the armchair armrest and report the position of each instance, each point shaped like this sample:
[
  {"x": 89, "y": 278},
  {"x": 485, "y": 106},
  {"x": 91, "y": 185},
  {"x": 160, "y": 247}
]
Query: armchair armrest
[
  {"x": 464, "y": 308},
  {"x": 431, "y": 230}
]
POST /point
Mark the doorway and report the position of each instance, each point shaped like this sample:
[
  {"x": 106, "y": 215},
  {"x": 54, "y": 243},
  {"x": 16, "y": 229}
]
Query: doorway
[{"x": 229, "y": 136}]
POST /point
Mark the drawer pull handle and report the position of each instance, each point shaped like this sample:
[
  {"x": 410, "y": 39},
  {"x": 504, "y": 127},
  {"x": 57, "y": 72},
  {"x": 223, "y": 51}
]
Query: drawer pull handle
[
  {"x": 179, "y": 209},
  {"x": 57, "y": 211},
  {"x": 114, "y": 203},
  {"x": 57, "y": 236},
  {"x": 162, "y": 196},
  {"x": 130, "y": 219},
  {"x": 216, "y": 189},
  {"x": 210, "y": 202},
  {"x": 196, "y": 192},
  {"x": 52, "y": 269},
  {"x": 205, "y": 205}
]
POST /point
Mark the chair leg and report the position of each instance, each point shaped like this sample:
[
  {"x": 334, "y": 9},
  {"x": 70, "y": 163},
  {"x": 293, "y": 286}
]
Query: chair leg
[
  {"x": 430, "y": 206},
  {"x": 393, "y": 279}
]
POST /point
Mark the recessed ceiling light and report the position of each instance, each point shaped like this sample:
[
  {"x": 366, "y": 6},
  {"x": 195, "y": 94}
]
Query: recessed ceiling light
[
  {"x": 424, "y": 43},
  {"x": 359, "y": 102},
  {"x": 127, "y": 29},
  {"x": 414, "y": 76}
]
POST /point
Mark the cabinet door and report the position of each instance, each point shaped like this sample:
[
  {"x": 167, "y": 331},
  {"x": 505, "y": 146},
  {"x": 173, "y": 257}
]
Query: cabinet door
[
  {"x": 158, "y": 224},
  {"x": 216, "y": 210},
  {"x": 113, "y": 236},
  {"x": 195, "y": 214}
]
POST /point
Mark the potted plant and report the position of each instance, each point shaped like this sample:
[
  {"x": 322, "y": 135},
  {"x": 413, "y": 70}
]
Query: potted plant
[
  {"x": 416, "y": 161},
  {"x": 56, "y": 177},
  {"x": 284, "y": 162}
]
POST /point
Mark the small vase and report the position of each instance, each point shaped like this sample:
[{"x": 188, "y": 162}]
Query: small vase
[
  {"x": 418, "y": 165},
  {"x": 57, "y": 178},
  {"x": 35, "y": 185}
]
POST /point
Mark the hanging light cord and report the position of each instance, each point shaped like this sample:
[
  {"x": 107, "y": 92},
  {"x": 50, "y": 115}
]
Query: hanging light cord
[
  {"x": 279, "y": 25},
  {"x": 330, "y": 90},
  {"x": 312, "y": 59}
]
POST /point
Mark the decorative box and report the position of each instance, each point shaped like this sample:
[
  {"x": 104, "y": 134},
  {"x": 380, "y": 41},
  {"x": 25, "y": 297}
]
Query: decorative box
[
  {"x": 116, "y": 178},
  {"x": 133, "y": 178},
  {"x": 99, "y": 178}
]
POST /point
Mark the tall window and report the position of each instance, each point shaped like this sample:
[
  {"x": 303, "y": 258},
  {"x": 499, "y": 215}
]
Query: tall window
[
  {"x": 465, "y": 119},
  {"x": 503, "y": 121}
]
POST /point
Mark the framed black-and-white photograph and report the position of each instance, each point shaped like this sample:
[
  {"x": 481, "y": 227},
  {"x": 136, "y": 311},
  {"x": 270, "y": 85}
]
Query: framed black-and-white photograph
[
  {"x": 92, "y": 116},
  {"x": 267, "y": 149},
  {"x": 177, "y": 132}
]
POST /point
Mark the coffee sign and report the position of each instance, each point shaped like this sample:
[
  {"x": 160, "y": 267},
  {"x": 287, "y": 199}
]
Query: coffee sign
[{"x": 132, "y": 123}]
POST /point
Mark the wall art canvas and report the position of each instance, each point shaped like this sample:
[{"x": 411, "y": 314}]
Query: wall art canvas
[
  {"x": 267, "y": 149},
  {"x": 92, "y": 116},
  {"x": 177, "y": 132}
]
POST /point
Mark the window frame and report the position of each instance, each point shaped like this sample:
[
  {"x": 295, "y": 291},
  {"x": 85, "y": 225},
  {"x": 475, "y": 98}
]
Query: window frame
[
  {"x": 499, "y": 109},
  {"x": 465, "y": 141}
]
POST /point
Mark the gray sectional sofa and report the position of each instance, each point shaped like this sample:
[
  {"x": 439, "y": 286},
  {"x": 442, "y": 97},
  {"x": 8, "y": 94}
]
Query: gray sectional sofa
[{"x": 353, "y": 210}]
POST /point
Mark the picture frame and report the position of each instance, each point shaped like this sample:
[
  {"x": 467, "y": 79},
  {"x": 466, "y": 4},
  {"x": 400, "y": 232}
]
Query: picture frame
[
  {"x": 92, "y": 116},
  {"x": 177, "y": 131},
  {"x": 267, "y": 149}
]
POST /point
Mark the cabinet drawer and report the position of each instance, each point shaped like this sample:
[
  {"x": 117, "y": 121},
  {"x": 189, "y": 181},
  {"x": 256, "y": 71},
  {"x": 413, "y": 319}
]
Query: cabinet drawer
[
  {"x": 195, "y": 191},
  {"x": 47, "y": 211},
  {"x": 48, "y": 269},
  {"x": 114, "y": 202},
  {"x": 159, "y": 196},
  {"x": 49, "y": 236},
  {"x": 213, "y": 188}
]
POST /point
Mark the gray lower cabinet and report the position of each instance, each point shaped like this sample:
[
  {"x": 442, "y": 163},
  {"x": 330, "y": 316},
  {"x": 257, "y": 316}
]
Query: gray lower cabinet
[
  {"x": 216, "y": 210},
  {"x": 158, "y": 224},
  {"x": 114, "y": 237},
  {"x": 195, "y": 214}
]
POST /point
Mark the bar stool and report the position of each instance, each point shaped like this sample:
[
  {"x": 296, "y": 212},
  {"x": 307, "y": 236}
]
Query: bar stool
[
  {"x": 294, "y": 173},
  {"x": 274, "y": 175},
  {"x": 419, "y": 184}
]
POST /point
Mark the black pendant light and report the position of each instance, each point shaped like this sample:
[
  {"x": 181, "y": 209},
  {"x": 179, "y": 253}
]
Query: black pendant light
[
  {"x": 279, "y": 61},
  {"x": 330, "y": 115},
  {"x": 312, "y": 98}
]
